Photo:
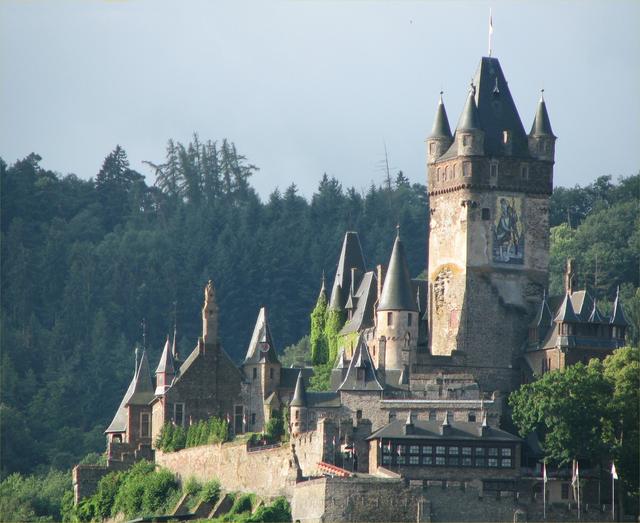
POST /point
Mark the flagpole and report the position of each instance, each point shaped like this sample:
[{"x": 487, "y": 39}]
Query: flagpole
[
  {"x": 613, "y": 498},
  {"x": 490, "y": 30},
  {"x": 544, "y": 491}
]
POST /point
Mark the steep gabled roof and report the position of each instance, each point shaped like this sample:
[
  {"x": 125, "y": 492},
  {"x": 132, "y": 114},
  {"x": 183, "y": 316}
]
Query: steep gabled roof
[
  {"x": 497, "y": 110},
  {"x": 441, "y": 127},
  {"x": 397, "y": 292},
  {"x": 361, "y": 374},
  {"x": 261, "y": 346},
  {"x": 166, "y": 360},
  {"x": 350, "y": 257},
  {"x": 543, "y": 318},
  {"x": 596, "y": 316},
  {"x": 565, "y": 312},
  {"x": 363, "y": 313},
  {"x": 582, "y": 304},
  {"x": 139, "y": 392}
]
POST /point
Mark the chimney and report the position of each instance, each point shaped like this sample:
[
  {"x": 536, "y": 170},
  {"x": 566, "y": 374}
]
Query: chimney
[{"x": 569, "y": 275}]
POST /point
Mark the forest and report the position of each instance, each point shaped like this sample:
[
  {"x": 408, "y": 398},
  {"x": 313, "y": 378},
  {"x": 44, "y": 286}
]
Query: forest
[{"x": 93, "y": 267}]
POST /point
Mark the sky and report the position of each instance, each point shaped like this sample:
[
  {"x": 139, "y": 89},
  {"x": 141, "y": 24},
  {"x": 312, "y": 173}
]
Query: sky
[{"x": 308, "y": 87}]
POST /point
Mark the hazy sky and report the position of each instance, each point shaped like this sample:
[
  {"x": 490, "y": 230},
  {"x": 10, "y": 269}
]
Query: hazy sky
[{"x": 306, "y": 87}]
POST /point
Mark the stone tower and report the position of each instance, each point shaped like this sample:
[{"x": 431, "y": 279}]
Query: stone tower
[
  {"x": 209, "y": 316},
  {"x": 489, "y": 186},
  {"x": 397, "y": 312}
]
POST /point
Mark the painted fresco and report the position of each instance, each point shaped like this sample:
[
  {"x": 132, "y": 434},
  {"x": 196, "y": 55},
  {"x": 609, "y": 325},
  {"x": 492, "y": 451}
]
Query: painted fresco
[{"x": 508, "y": 232}]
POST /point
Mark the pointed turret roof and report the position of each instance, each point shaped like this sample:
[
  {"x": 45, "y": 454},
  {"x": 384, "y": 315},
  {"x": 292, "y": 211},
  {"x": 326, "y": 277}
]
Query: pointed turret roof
[
  {"x": 139, "y": 392},
  {"x": 397, "y": 292},
  {"x": 596, "y": 316},
  {"x": 166, "y": 359},
  {"x": 367, "y": 378},
  {"x": 323, "y": 291},
  {"x": 336, "y": 299},
  {"x": 469, "y": 119},
  {"x": 565, "y": 312},
  {"x": 350, "y": 257},
  {"x": 441, "y": 127},
  {"x": 543, "y": 319},
  {"x": 341, "y": 360},
  {"x": 350, "y": 302},
  {"x": 299, "y": 395},
  {"x": 541, "y": 123},
  {"x": 617, "y": 315},
  {"x": 261, "y": 347}
]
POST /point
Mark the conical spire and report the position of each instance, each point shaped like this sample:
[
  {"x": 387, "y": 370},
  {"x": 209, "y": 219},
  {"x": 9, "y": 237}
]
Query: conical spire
[
  {"x": 323, "y": 290},
  {"x": 299, "y": 395},
  {"x": 397, "y": 293},
  {"x": 469, "y": 119},
  {"x": 142, "y": 381},
  {"x": 350, "y": 257},
  {"x": 541, "y": 124},
  {"x": 566, "y": 313},
  {"x": 166, "y": 359},
  {"x": 336, "y": 298},
  {"x": 596, "y": 316},
  {"x": 543, "y": 318},
  {"x": 441, "y": 127},
  {"x": 261, "y": 347},
  {"x": 617, "y": 315}
]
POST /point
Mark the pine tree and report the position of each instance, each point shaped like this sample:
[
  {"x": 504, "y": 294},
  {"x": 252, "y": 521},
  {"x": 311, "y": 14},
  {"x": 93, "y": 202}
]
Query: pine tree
[{"x": 318, "y": 339}]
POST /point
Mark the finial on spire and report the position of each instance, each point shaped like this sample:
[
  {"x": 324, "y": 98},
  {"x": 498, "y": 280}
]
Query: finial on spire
[
  {"x": 398, "y": 230},
  {"x": 441, "y": 93},
  {"x": 490, "y": 29},
  {"x": 542, "y": 95}
]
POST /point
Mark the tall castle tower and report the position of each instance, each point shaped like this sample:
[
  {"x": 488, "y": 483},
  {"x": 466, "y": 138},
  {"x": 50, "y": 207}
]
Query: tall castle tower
[{"x": 489, "y": 185}]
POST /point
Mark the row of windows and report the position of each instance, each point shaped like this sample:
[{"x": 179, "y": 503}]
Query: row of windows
[
  {"x": 390, "y": 319},
  {"x": 448, "y": 461},
  {"x": 451, "y": 450},
  {"x": 452, "y": 172},
  {"x": 447, "y": 455},
  {"x": 255, "y": 373}
]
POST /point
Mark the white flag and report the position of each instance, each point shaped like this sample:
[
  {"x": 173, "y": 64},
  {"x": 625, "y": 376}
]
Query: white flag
[
  {"x": 576, "y": 473},
  {"x": 544, "y": 472},
  {"x": 614, "y": 474},
  {"x": 490, "y": 23}
]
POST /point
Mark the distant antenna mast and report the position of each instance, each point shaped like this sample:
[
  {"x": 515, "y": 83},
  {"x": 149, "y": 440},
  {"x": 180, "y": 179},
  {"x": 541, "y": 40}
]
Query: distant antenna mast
[
  {"x": 386, "y": 161},
  {"x": 490, "y": 30}
]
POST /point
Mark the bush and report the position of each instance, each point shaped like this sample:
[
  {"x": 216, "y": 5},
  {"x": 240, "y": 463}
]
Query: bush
[
  {"x": 210, "y": 491},
  {"x": 278, "y": 512},
  {"x": 243, "y": 503},
  {"x": 37, "y": 497},
  {"x": 275, "y": 427},
  {"x": 172, "y": 438}
]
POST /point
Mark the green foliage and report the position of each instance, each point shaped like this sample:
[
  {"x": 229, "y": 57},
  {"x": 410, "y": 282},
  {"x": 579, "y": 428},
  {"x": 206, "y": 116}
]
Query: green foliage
[
  {"x": 297, "y": 355},
  {"x": 210, "y": 491},
  {"x": 586, "y": 412},
  {"x": 277, "y": 512},
  {"x": 33, "y": 498},
  {"x": 321, "y": 379},
  {"x": 274, "y": 429},
  {"x": 243, "y": 503},
  {"x": 318, "y": 337},
  {"x": 334, "y": 322},
  {"x": 173, "y": 438}
]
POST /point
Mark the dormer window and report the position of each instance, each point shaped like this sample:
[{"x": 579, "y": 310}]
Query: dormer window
[{"x": 467, "y": 140}]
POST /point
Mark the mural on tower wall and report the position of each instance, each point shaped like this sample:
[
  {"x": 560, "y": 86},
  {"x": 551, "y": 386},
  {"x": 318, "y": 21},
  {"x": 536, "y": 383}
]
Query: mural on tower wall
[{"x": 508, "y": 233}]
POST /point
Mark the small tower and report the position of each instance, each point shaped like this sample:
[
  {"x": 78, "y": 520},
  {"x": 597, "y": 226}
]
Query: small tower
[
  {"x": 469, "y": 133},
  {"x": 440, "y": 138},
  {"x": 209, "y": 316},
  {"x": 298, "y": 408},
  {"x": 397, "y": 313},
  {"x": 166, "y": 370},
  {"x": 541, "y": 138},
  {"x": 618, "y": 321}
]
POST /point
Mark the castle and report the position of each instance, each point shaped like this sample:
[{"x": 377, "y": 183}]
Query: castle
[{"x": 418, "y": 388}]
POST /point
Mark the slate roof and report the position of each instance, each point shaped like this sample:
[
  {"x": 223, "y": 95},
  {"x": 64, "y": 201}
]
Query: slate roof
[
  {"x": 336, "y": 303},
  {"x": 430, "y": 430},
  {"x": 541, "y": 123},
  {"x": 166, "y": 360},
  {"x": 139, "y": 392},
  {"x": 365, "y": 298},
  {"x": 617, "y": 315},
  {"x": 441, "y": 127},
  {"x": 397, "y": 291},
  {"x": 289, "y": 376},
  {"x": 323, "y": 399},
  {"x": 350, "y": 256},
  {"x": 469, "y": 119},
  {"x": 261, "y": 346},
  {"x": 596, "y": 316},
  {"x": 299, "y": 396},
  {"x": 361, "y": 374},
  {"x": 565, "y": 312},
  {"x": 582, "y": 304}
]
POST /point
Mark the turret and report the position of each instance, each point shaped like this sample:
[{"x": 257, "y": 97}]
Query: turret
[
  {"x": 209, "y": 316},
  {"x": 166, "y": 370},
  {"x": 618, "y": 320},
  {"x": 469, "y": 134},
  {"x": 541, "y": 138},
  {"x": 298, "y": 408},
  {"x": 397, "y": 313},
  {"x": 440, "y": 138}
]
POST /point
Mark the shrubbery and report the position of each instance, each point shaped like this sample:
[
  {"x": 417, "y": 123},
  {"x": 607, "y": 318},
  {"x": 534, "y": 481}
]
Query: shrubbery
[
  {"x": 172, "y": 437},
  {"x": 33, "y": 498}
]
